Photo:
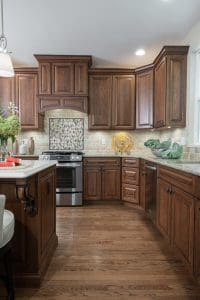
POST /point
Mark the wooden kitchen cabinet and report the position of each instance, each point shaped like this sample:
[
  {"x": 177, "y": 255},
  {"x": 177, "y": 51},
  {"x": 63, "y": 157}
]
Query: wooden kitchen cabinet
[
  {"x": 183, "y": 224},
  {"x": 22, "y": 89},
  {"x": 164, "y": 208},
  {"x": 111, "y": 99},
  {"x": 110, "y": 182},
  {"x": 176, "y": 211},
  {"x": 102, "y": 178},
  {"x": 92, "y": 183},
  {"x": 46, "y": 186},
  {"x": 63, "y": 78},
  {"x": 63, "y": 82},
  {"x": 144, "y": 97},
  {"x": 26, "y": 90},
  {"x": 63, "y": 75},
  {"x": 130, "y": 180},
  {"x": 7, "y": 93},
  {"x": 35, "y": 238},
  {"x": 197, "y": 240},
  {"x": 170, "y": 73},
  {"x": 123, "y": 105},
  {"x": 100, "y": 102},
  {"x": 142, "y": 184},
  {"x": 81, "y": 79}
]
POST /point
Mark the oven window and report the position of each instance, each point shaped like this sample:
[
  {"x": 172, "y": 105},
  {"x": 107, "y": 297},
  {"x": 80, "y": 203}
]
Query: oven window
[{"x": 66, "y": 177}]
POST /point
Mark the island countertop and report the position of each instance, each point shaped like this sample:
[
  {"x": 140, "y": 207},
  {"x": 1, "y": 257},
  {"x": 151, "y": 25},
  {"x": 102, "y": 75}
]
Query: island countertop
[{"x": 27, "y": 169}]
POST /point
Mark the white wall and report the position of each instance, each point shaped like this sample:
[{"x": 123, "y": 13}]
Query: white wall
[{"x": 193, "y": 40}]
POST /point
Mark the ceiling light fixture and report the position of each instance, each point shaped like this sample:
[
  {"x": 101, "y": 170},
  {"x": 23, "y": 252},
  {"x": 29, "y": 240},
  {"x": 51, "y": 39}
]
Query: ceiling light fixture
[
  {"x": 140, "y": 52},
  {"x": 6, "y": 67}
]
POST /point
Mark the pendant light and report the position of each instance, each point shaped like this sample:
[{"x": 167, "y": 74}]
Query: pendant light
[{"x": 6, "y": 67}]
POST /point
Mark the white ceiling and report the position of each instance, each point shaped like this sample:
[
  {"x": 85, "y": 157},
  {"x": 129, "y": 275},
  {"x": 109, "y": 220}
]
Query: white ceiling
[{"x": 110, "y": 30}]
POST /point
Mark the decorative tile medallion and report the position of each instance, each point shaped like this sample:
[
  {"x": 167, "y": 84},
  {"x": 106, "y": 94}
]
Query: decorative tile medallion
[{"x": 66, "y": 134}]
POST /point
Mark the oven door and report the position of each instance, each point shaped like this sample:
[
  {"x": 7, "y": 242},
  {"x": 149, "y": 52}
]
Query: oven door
[{"x": 69, "y": 177}]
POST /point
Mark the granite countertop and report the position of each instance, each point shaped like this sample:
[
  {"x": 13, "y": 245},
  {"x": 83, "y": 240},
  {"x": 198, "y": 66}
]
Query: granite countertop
[
  {"x": 28, "y": 168},
  {"x": 189, "y": 166}
]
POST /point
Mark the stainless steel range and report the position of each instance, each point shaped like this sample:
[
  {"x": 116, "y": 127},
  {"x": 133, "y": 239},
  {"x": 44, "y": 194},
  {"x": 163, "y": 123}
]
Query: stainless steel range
[{"x": 69, "y": 181}]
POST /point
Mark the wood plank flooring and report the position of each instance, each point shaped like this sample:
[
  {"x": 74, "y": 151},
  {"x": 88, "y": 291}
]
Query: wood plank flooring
[{"x": 111, "y": 252}]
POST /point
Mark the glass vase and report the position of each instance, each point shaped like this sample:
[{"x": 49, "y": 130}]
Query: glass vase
[{"x": 3, "y": 150}]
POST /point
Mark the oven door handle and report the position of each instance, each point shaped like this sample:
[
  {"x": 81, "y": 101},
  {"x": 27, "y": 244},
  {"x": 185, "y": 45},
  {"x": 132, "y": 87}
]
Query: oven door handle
[{"x": 69, "y": 165}]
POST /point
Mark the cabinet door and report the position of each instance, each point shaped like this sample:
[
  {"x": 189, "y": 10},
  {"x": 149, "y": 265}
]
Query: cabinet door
[
  {"x": 81, "y": 79},
  {"x": 92, "y": 183},
  {"x": 183, "y": 224},
  {"x": 63, "y": 79},
  {"x": 47, "y": 193},
  {"x": 176, "y": 96},
  {"x": 6, "y": 92},
  {"x": 100, "y": 98},
  {"x": 110, "y": 183},
  {"x": 123, "y": 105},
  {"x": 197, "y": 239},
  {"x": 142, "y": 183},
  {"x": 26, "y": 99},
  {"x": 164, "y": 212},
  {"x": 144, "y": 99},
  {"x": 130, "y": 193},
  {"x": 160, "y": 94},
  {"x": 45, "y": 78}
]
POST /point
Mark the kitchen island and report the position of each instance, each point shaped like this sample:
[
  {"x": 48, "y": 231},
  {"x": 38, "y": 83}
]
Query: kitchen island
[{"x": 30, "y": 193}]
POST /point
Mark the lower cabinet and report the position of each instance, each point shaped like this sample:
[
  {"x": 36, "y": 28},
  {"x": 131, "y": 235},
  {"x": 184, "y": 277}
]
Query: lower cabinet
[
  {"x": 46, "y": 186},
  {"x": 164, "y": 207},
  {"x": 102, "y": 178},
  {"x": 197, "y": 240},
  {"x": 35, "y": 239},
  {"x": 176, "y": 217},
  {"x": 110, "y": 183},
  {"x": 130, "y": 180},
  {"x": 92, "y": 183},
  {"x": 183, "y": 224},
  {"x": 142, "y": 184}
]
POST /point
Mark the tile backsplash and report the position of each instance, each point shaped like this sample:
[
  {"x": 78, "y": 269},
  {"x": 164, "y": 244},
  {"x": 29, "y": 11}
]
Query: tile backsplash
[
  {"x": 95, "y": 142},
  {"x": 66, "y": 133}
]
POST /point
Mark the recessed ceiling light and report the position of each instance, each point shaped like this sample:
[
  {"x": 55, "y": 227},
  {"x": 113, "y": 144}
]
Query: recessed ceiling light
[{"x": 140, "y": 52}]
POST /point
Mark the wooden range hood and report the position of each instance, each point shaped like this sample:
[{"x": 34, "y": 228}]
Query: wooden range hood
[{"x": 63, "y": 82}]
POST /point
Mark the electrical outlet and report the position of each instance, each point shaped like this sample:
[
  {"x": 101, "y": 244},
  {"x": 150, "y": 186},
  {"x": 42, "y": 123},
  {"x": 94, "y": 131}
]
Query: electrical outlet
[{"x": 103, "y": 141}]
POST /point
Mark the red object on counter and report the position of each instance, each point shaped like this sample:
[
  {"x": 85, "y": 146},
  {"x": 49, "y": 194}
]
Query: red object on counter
[
  {"x": 15, "y": 160},
  {"x": 7, "y": 164}
]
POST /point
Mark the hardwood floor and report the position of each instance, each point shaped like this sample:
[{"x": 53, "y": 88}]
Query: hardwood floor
[{"x": 111, "y": 252}]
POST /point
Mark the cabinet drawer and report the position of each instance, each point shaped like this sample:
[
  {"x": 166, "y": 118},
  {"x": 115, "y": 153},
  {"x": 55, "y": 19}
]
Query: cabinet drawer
[
  {"x": 130, "y": 162},
  {"x": 102, "y": 161},
  {"x": 130, "y": 175},
  {"x": 180, "y": 179},
  {"x": 130, "y": 193}
]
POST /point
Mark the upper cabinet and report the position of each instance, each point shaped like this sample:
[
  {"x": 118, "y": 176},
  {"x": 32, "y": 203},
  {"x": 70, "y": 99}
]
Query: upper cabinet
[
  {"x": 123, "y": 106},
  {"x": 6, "y": 91},
  {"x": 26, "y": 90},
  {"x": 170, "y": 73},
  {"x": 144, "y": 97},
  {"x": 100, "y": 101},
  {"x": 22, "y": 89},
  {"x": 63, "y": 81},
  {"x": 111, "y": 99}
]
